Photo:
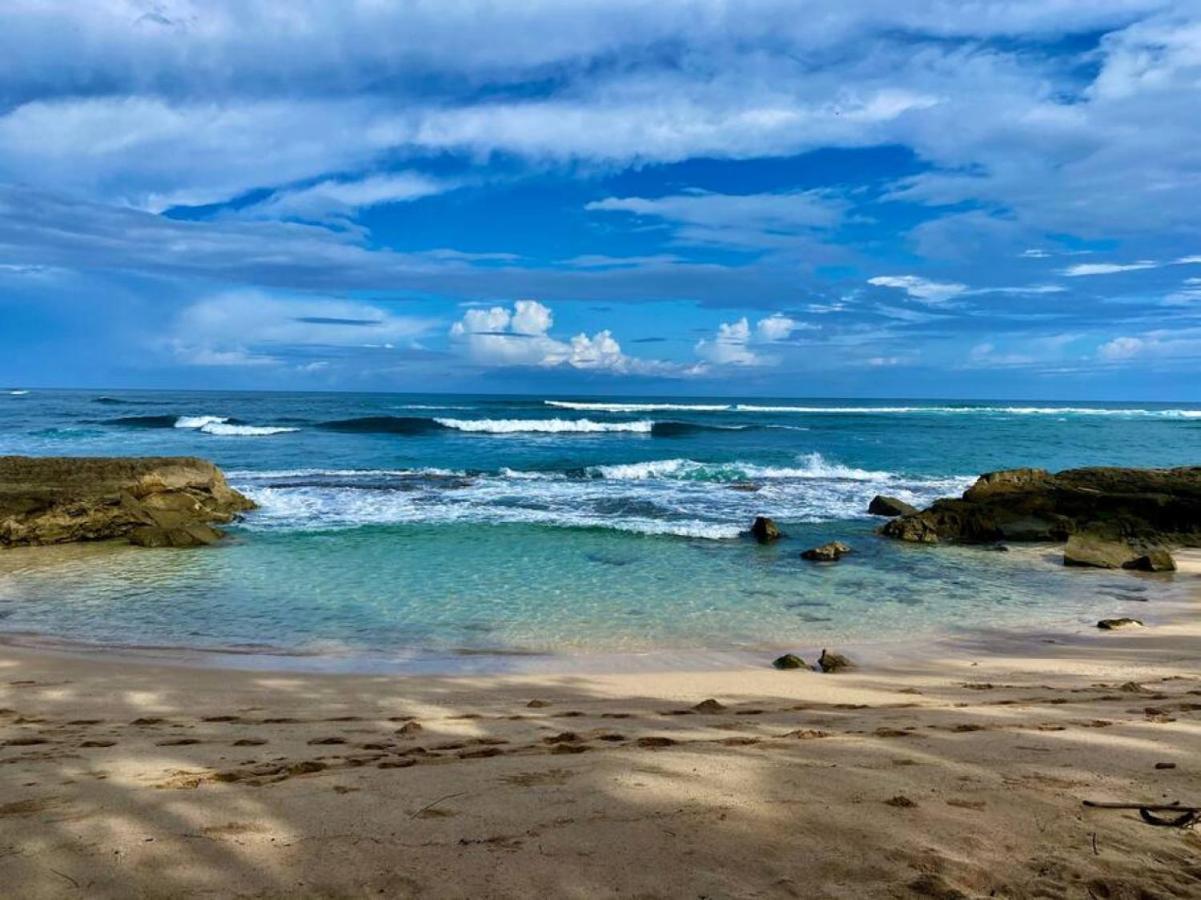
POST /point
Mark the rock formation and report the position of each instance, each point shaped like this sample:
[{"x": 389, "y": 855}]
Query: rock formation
[
  {"x": 1115, "y": 517},
  {"x": 765, "y": 531},
  {"x": 830, "y": 552},
  {"x": 151, "y": 501},
  {"x": 882, "y": 505}
]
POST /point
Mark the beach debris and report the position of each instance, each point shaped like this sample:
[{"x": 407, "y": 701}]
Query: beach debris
[
  {"x": 709, "y": 707},
  {"x": 833, "y": 662},
  {"x": 1186, "y": 816},
  {"x": 828, "y": 552},
  {"x": 789, "y": 661},
  {"x": 1123, "y": 622},
  {"x": 1165, "y": 765},
  {"x": 882, "y": 505},
  {"x": 765, "y": 530}
]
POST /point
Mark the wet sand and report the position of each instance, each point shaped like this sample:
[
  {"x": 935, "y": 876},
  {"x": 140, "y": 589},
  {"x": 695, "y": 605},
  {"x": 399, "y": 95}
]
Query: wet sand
[{"x": 959, "y": 771}]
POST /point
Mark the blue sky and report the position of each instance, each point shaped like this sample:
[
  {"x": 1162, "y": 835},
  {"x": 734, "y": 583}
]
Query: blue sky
[{"x": 826, "y": 198}]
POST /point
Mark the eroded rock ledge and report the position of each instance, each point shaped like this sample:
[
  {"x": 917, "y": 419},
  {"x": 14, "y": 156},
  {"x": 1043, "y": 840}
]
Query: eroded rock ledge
[
  {"x": 151, "y": 501},
  {"x": 1117, "y": 517}
]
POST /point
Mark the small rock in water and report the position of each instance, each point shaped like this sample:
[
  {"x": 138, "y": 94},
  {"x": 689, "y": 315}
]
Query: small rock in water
[
  {"x": 830, "y": 552},
  {"x": 764, "y": 530},
  {"x": 748, "y": 486},
  {"x": 709, "y": 706},
  {"x": 789, "y": 661},
  {"x": 833, "y": 662},
  {"x": 889, "y": 506},
  {"x": 998, "y": 548},
  {"x": 1124, "y": 622}
]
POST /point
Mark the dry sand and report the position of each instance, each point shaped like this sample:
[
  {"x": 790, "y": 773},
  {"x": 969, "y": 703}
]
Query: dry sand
[{"x": 957, "y": 773}]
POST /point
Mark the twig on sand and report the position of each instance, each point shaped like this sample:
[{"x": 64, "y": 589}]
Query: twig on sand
[{"x": 434, "y": 803}]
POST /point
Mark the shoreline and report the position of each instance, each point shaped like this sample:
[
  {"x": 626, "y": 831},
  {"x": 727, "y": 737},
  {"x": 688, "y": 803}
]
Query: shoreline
[{"x": 1173, "y": 603}]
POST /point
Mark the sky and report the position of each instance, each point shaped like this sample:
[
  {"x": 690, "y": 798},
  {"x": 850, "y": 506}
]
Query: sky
[{"x": 811, "y": 198}]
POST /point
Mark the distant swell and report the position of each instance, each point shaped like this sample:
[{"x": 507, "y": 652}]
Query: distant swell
[
  {"x": 144, "y": 421},
  {"x": 383, "y": 425}
]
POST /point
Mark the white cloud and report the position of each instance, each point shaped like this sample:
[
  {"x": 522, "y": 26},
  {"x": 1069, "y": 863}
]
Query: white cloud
[
  {"x": 498, "y": 336},
  {"x": 920, "y": 288},
  {"x": 1084, "y": 269},
  {"x": 738, "y": 220},
  {"x": 252, "y": 328},
  {"x": 735, "y": 342},
  {"x": 333, "y": 199},
  {"x": 1122, "y": 348}
]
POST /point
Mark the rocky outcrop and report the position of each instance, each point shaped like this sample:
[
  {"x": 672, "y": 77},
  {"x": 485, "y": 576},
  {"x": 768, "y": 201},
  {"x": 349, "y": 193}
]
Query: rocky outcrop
[
  {"x": 889, "y": 506},
  {"x": 1115, "y": 624},
  {"x": 151, "y": 501},
  {"x": 834, "y": 550},
  {"x": 765, "y": 531},
  {"x": 1102, "y": 552},
  {"x": 1145, "y": 508}
]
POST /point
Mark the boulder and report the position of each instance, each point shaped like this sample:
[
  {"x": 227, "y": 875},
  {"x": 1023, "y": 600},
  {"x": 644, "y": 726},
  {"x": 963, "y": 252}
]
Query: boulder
[
  {"x": 1114, "y": 624},
  {"x": 789, "y": 661},
  {"x": 151, "y": 501},
  {"x": 1146, "y": 508},
  {"x": 1108, "y": 552},
  {"x": 889, "y": 506},
  {"x": 833, "y": 662},
  {"x": 829, "y": 552},
  {"x": 764, "y": 530}
]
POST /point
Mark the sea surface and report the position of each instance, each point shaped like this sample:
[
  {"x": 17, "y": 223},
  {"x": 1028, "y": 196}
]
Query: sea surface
[{"x": 400, "y": 531}]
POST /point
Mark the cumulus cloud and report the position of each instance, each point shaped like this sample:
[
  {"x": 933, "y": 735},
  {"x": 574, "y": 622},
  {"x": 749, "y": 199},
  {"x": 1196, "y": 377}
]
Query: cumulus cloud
[
  {"x": 736, "y": 343},
  {"x": 499, "y": 336},
  {"x": 921, "y": 288}
]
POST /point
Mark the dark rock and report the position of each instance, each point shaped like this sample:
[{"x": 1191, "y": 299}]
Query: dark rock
[
  {"x": 709, "y": 707},
  {"x": 748, "y": 487},
  {"x": 998, "y": 548},
  {"x": 833, "y": 662},
  {"x": 830, "y": 552},
  {"x": 1146, "y": 508},
  {"x": 1114, "y": 624},
  {"x": 789, "y": 661},
  {"x": 1104, "y": 552},
  {"x": 152, "y": 501},
  {"x": 764, "y": 530},
  {"x": 889, "y": 506}
]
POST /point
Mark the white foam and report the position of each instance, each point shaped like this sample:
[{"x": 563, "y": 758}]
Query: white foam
[
  {"x": 199, "y": 421},
  {"x": 17, "y": 393},
  {"x": 546, "y": 426},
  {"x": 636, "y": 407},
  {"x": 225, "y": 430},
  {"x": 814, "y": 467},
  {"x": 973, "y": 410}
]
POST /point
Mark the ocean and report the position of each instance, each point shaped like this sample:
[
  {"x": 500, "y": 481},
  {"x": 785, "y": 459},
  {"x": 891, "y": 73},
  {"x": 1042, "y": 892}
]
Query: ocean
[{"x": 450, "y": 532}]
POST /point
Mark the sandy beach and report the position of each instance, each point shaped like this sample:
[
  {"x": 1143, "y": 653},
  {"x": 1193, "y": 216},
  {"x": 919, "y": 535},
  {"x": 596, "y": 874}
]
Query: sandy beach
[{"x": 958, "y": 773}]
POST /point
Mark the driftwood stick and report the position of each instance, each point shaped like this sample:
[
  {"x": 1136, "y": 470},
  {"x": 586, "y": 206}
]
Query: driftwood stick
[{"x": 1154, "y": 807}]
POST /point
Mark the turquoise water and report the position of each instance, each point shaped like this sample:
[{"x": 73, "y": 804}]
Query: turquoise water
[{"x": 401, "y": 529}]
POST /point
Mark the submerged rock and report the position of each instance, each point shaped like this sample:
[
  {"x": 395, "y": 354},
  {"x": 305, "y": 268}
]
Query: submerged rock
[
  {"x": 765, "y": 530},
  {"x": 789, "y": 661},
  {"x": 889, "y": 506},
  {"x": 1115, "y": 624},
  {"x": 1146, "y": 508},
  {"x": 833, "y": 662},
  {"x": 829, "y": 552},
  {"x": 152, "y": 501}
]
